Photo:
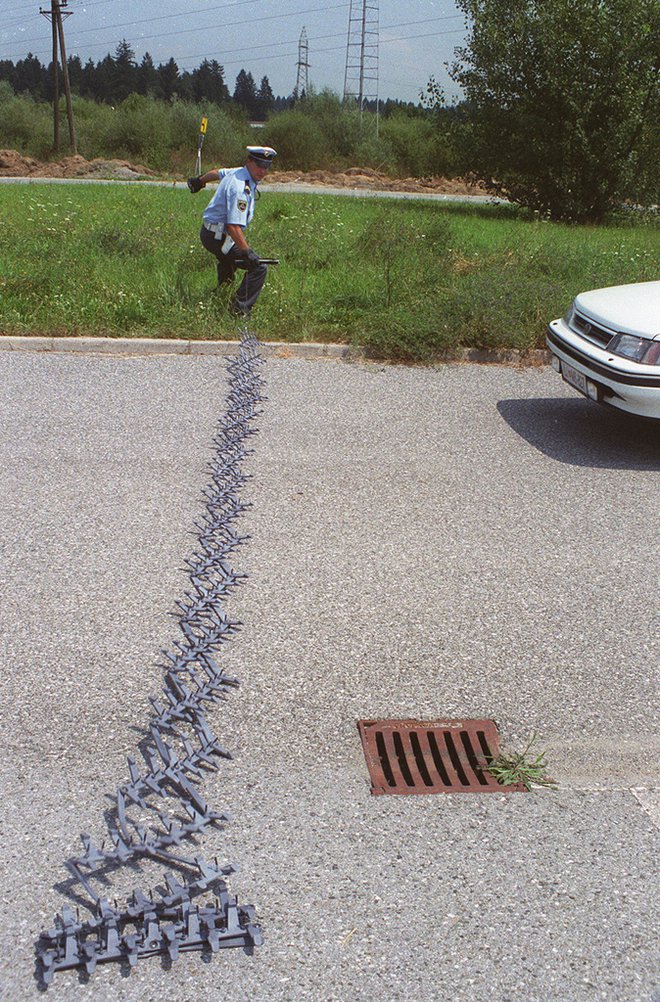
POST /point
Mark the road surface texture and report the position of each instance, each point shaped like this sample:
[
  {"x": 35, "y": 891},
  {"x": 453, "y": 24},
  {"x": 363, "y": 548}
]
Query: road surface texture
[
  {"x": 460, "y": 541},
  {"x": 289, "y": 187}
]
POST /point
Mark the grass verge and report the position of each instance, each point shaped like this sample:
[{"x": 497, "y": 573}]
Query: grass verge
[{"x": 407, "y": 280}]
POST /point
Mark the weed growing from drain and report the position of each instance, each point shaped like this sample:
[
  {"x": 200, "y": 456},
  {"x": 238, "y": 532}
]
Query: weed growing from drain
[{"x": 521, "y": 767}]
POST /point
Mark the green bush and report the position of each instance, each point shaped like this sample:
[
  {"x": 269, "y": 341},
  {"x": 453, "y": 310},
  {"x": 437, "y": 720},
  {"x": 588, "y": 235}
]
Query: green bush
[
  {"x": 227, "y": 136},
  {"x": 162, "y": 136},
  {"x": 139, "y": 129},
  {"x": 298, "y": 139},
  {"x": 26, "y": 125},
  {"x": 93, "y": 124},
  {"x": 418, "y": 149},
  {"x": 340, "y": 124}
]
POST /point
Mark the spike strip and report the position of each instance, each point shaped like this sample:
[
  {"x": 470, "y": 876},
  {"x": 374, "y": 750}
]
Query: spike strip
[{"x": 179, "y": 749}]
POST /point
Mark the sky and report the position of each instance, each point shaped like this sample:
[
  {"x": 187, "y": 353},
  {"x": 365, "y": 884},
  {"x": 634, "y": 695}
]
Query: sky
[{"x": 417, "y": 37}]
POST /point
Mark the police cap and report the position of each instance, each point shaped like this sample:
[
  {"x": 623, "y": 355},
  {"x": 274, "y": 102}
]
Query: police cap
[{"x": 262, "y": 155}]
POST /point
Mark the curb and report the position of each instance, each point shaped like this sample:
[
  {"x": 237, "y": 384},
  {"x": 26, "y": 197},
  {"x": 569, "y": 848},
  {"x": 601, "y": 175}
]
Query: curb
[{"x": 309, "y": 350}]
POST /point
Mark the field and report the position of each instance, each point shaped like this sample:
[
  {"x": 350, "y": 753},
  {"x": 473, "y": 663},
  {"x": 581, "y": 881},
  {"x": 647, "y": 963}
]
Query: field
[{"x": 408, "y": 280}]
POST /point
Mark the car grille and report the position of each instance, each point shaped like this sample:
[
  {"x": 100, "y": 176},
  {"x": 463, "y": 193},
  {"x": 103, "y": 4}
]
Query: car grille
[{"x": 591, "y": 331}]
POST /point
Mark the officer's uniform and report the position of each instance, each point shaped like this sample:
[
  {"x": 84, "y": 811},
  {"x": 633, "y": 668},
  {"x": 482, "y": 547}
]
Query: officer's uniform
[{"x": 233, "y": 204}]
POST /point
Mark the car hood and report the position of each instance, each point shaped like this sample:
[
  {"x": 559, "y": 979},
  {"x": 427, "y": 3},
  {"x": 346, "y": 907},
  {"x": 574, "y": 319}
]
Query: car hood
[{"x": 630, "y": 309}]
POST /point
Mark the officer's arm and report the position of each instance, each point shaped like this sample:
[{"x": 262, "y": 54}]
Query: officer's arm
[
  {"x": 211, "y": 175},
  {"x": 237, "y": 235},
  {"x": 196, "y": 184}
]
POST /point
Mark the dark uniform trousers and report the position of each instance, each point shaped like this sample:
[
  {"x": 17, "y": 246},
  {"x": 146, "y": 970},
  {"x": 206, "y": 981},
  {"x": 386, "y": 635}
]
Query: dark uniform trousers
[{"x": 248, "y": 291}]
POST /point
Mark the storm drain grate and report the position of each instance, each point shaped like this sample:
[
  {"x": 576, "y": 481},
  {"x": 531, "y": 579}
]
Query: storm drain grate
[{"x": 431, "y": 756}]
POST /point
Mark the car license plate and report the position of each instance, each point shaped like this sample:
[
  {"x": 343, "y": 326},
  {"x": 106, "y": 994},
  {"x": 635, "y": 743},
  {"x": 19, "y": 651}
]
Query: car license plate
[{"x": 575, "y": 378}]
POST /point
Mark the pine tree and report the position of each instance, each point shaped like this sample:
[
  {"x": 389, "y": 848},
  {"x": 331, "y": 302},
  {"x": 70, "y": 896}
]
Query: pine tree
[
  {"x": 208, "y": 82},
  {"x": 265, "y": 99},
  {"x": 7, "y": 70},
  {"x": 147, "y": 76},
  {"x": 87, "y": 79},
  {"x": 30, "y": 77},
  {"x": 245, "y": 92},
  {"x": 168, "y": 79},
  {"x": 75, "y": 73},
  {"x": 102, "y": 80},
  {"x": 125, "y": 72}
]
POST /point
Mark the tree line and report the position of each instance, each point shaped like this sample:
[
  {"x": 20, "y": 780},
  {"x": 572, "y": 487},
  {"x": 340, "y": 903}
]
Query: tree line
[{"x": 113, "y": 78}]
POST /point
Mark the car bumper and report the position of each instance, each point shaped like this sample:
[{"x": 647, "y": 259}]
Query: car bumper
[{"x": 608, "y": 379}]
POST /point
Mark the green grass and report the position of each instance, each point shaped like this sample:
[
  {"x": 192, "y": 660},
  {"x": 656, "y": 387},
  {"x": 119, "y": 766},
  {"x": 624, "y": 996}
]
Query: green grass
[{"x": 405, "y": 279}]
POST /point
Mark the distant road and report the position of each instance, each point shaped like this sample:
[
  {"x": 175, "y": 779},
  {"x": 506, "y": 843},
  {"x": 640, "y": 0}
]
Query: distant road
[{"x": 296, "y": 188}]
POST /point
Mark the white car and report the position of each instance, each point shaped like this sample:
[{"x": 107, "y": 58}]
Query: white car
[{"x": 608, "y": 347}]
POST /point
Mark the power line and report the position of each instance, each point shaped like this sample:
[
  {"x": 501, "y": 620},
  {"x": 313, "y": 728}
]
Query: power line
[
  {"x": 333, "y": 48},
  {"x": 161, "y": 17},
  {"x": 208, "y": 27},
  {"x": 216, "y": 55}
]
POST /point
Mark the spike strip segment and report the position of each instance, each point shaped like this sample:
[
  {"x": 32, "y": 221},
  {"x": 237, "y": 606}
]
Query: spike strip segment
[{"x": 180, "y": 747}]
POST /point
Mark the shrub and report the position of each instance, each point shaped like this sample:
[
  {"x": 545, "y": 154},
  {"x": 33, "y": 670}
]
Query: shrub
[
  {"x": 298, "y": 139},
  {"x": 418, "y": 149},
  {"x": 342, "y": 128},
  {"x": 26, "y": 125},
  {"x": 139, "y": 127}
]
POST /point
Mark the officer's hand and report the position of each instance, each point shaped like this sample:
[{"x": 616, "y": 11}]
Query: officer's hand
[
  {"x": 195, "y": 184},
  {"x": 251, "y": 259}
]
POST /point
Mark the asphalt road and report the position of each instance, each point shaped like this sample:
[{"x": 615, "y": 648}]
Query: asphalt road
[
  {"x": 290, "y": 187},
  {"x": 462, "y": 541}
]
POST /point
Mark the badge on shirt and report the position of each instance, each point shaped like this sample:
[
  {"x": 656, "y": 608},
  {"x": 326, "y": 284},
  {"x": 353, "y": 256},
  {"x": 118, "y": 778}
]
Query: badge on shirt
[{"x": 242, "y": 206}]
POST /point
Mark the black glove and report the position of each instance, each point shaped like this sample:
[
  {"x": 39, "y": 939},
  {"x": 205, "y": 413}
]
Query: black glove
[
  {"x": 251, "y": 259},
  {"x": 195, "y": 184}
]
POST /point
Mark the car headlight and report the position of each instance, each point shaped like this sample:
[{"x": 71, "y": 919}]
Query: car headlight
[{"x": 639, "y": 349}]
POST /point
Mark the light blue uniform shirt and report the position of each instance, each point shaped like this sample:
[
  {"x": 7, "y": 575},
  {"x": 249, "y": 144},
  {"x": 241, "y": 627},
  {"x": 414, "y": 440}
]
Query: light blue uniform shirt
[{"x": 233, "y": 201}]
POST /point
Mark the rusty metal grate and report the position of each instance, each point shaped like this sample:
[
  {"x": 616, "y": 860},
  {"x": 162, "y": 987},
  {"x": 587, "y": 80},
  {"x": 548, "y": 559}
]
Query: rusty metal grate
[{"x": 431, "y": 756}]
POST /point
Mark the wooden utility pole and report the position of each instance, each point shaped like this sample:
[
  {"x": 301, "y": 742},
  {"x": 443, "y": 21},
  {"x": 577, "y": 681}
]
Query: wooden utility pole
[
  {"x": 65, "y": 77},
  {"x": 54, "y": 15},
  {"x": 56, "y": 81}
]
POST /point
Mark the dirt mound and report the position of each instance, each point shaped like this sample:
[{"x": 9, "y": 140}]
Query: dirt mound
[
  {"x": 13, "y": 164},
  {"x": 364, "y": 177}
]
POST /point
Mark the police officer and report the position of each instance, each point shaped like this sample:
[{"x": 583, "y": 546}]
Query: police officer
[{"x": 225, "y": 220}]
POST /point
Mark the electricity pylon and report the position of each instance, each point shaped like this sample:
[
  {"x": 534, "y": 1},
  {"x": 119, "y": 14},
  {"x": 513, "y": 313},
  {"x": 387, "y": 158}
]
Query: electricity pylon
[
  {"x": 302, "y": 76},
  {"x": 361, "y": 75}
]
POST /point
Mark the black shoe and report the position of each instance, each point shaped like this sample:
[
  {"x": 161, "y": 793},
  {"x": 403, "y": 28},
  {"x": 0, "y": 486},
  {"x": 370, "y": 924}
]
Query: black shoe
[{"x": 238, "y": 311}]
